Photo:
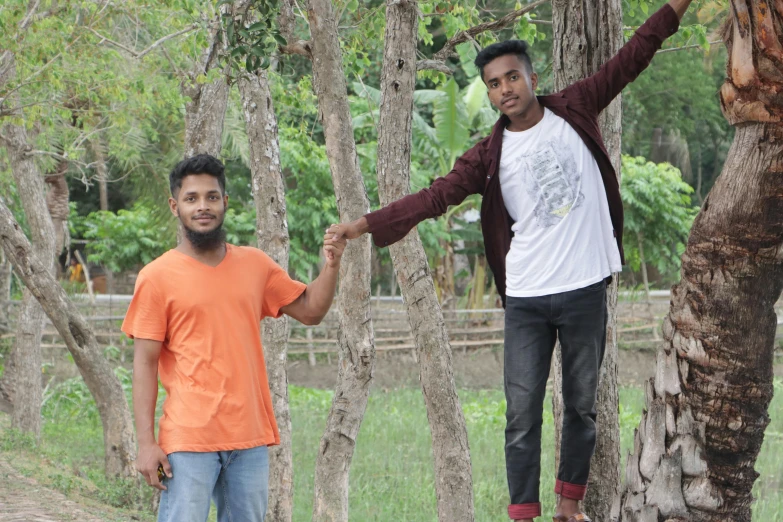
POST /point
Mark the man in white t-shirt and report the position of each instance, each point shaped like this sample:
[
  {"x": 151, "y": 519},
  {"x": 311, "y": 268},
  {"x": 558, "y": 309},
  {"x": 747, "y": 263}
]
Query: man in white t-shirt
[{"x": 552, "y": 221}]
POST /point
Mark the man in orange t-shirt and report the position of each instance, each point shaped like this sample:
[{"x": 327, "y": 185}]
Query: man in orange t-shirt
[{"x": 195, "y": 320}]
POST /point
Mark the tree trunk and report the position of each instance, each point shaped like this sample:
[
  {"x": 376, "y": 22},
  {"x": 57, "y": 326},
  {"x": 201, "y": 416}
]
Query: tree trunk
[
  {"x": 453, "y": 478},
  {"x": 102, "y": 170},
  {"x": 272, "y": 231},
  {"x": 57, "y": 199},
  {"x": 355, "y": 337},
  {"x": 586, "y": 35},
  {"x": 24, "y": 376},
  {"x": 118, "y": 437},
  {"x": 206, "y": 109},
  {"x": 707, "y": 405},
  {"x": 6, "y": 274}
]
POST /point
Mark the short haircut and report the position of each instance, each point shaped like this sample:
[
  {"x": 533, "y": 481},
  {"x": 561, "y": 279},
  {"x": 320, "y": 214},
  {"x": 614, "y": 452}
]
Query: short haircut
[
  {"x": 198, "y": 164},
  {"x": 496, "y": 50}
]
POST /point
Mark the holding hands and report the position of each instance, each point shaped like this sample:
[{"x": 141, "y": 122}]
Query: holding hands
[
  {"x": 351, "y": 230},
  {"x": 334, "y": 246}
]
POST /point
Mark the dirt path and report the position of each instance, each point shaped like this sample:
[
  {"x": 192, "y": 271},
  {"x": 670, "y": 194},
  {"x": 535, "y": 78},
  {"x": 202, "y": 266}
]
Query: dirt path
[{"x": 22, "y": 499}]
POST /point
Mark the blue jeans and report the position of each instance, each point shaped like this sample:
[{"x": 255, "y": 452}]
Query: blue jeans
[{"x": 237, "y": 480}]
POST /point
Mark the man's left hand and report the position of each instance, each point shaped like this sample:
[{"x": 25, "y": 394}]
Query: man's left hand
[{"x": 333, "y": 248}]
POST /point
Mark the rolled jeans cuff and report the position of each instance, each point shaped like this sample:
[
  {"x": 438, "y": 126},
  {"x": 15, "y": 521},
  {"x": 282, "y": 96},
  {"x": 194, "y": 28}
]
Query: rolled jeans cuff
[
  {"x": 520, "y": 511},
  {"x": 570, "y": 491}
]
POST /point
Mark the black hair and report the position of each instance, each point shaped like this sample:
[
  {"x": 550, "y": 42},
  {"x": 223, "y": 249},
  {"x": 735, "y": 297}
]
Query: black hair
[
  {"x": 198, "y": 164},
  {"x": 496, "y": 50}
]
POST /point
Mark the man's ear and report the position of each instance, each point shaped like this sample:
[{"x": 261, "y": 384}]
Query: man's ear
[
  {"x": 225, "y": 202},
  {"x": 534, "y": 81},
  {"x": 173, "y": 207}
]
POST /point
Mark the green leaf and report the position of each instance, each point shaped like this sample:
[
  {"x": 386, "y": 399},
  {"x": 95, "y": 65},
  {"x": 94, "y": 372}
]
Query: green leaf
[
  {"x": 279, "y": 39},
  {"x": 450, "y": 118}
]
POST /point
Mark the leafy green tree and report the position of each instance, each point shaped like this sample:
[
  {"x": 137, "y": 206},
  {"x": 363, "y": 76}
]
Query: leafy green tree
[
  {"x": 658, "y": 215},
  {"x": 123, "y": 240}
]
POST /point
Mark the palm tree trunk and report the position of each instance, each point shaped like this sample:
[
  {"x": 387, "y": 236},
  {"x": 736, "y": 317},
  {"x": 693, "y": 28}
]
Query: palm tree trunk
[
  {"x": 587, "y": 34},
  {"x": 356, "y": 341},
  {"x": 453, "y": 477},
  {"x": 272, "y": 231},
  {"x": 707, "y": 406}
]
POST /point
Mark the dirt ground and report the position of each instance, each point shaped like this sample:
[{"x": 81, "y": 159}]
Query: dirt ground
[{"x": 22, "y": 499}]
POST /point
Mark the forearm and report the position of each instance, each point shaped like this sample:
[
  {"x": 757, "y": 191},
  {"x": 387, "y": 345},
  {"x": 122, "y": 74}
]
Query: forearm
[
  {"x": 320, "y": 293},
  {"x": 145, "y": 396},
  {"x": 680, "y": 7}
]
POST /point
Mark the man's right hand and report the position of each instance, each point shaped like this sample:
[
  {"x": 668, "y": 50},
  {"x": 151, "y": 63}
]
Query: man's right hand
[
  {"x": 350, "y": 230},
  {"x": 147, "y": 462}
]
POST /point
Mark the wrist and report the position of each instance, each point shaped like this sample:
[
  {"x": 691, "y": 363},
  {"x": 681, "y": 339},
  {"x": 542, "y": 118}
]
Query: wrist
[
  {"x": 147, "y": 440},
  {"x": 361, "y": 226}
]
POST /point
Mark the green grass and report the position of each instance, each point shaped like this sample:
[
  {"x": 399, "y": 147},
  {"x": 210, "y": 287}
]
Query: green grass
[{"x": 391, "y": 473}]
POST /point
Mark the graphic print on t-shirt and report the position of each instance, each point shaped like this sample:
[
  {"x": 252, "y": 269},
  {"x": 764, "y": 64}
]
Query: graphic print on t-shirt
[{"x": 552, "y": 180}]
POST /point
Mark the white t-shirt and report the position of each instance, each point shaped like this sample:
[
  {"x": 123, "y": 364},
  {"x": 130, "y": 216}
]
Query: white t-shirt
[{"x": 552, "y": 187}]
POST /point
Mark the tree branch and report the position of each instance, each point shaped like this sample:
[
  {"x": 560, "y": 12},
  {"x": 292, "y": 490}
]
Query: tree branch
[
  {"x": 438, "y": 61},
  {"x": 139, "y": 55},
  {"x": 683, "y": 48},
  {"x": 437, "y": 65},
  {"x": 464, "y": 36},
  {"x": 193, "y": 27}
]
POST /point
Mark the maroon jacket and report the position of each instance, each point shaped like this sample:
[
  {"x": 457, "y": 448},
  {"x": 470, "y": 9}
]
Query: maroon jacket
[{"x": 475, "y": 172}]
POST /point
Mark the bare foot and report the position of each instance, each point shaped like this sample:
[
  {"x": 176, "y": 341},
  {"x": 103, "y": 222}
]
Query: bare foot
[{"x": 567, "y": 507}]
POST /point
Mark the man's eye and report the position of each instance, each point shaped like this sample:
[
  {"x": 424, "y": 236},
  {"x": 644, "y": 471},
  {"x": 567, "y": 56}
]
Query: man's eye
[
  {"x": 514, "y": 77},
  {"x": 493, "y": 85}
]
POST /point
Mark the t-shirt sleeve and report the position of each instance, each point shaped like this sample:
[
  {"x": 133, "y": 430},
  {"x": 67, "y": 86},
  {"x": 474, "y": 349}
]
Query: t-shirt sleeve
[
  {"x": 280, "y": 291},
  {"x": 146, "y": 315}
]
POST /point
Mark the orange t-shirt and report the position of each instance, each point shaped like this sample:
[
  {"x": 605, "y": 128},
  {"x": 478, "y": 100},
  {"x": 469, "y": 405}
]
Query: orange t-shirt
[{"x": 211, "y": 363}]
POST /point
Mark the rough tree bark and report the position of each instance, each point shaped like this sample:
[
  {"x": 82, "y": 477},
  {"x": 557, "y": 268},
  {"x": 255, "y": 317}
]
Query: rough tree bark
[
  {"x": 586, "y": 35},
  {"x": 707, "y": 406},
  {"x": 206, "y": 110},
  {"x": 355, "y": 337},
  {"x": 24, "y": 377},
  {"x": 118, "y": 436},
  {"x": 453, "y": 478},
  {"x": 57, "y": 199},
  {"x": 272, "y": 231},
  {"x": 102, "y": 171},
  {"x": 6, "y": 274}
]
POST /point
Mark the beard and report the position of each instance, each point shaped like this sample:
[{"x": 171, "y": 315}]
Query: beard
[{"x": 205, "y": 241}]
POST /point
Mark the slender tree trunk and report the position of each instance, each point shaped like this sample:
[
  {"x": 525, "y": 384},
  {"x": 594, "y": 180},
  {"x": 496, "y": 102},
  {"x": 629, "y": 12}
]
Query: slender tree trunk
[
  {"x": 453, "y": 478},
  {"x": 272, "y": 231},
  {"x": 646, "y": 282},
  {"x": 25, "y": 375},
  {"x": 707, "y": 407},
  {"x": 206, "y": 109},
  {"x": 57, "y": 199},
  {"x": 586, "y": 35},
  {"x": 6, "y": 274},
  {"x": 355, "y": 337},
  {"x": 99, "y": 156},
  {"x": 118, "y": 436}
]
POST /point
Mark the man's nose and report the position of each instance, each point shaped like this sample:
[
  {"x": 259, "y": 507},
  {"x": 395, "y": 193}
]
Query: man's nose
[{"x": 505, "y": 87}]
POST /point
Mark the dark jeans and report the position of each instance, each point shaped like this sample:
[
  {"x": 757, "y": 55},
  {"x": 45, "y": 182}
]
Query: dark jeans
[{"x": 533, "y": 324}]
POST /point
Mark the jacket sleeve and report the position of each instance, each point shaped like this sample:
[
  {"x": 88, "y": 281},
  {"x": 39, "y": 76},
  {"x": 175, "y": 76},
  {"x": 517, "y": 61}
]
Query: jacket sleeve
[
  {"x": 393, "y": 222},
  {"x": 601, "y": 88}
]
